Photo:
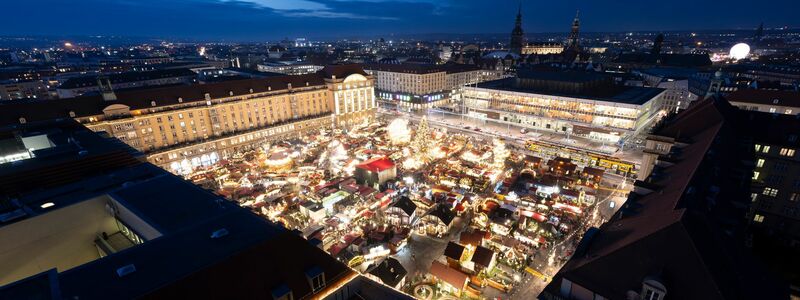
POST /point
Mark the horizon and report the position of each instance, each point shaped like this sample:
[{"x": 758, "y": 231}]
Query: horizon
[{"x": 270, "y": 20}]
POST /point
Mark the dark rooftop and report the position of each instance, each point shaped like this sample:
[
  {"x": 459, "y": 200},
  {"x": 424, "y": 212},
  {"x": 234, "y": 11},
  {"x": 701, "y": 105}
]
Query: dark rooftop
[
  {"x": 90, "y": 81},
  {"x": 453, "y": 250},
  {"x": 414, "y": 68},
  {"x": 40, "y": 110},
  {"x": 619, "y": 94},
  {"x": 390, "y": 271}
]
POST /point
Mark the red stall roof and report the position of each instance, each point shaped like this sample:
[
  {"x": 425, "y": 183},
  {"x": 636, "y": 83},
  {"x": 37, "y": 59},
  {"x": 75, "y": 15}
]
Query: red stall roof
[{"x": 376, "y": 164}]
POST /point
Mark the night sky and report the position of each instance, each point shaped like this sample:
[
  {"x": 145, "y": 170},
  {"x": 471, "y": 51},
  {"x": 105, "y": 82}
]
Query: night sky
[{"x": 259, "y": 20}]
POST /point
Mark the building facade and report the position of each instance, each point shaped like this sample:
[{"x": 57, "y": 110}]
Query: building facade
[
  {"x": 289, "y": 68},
  {"x": 608, "y": 118},
  {"x": 32, "y": 89},
  {"x": 775, "y": 188},
  {"x": 543, "y": 48},
  {"x": 181, "y": 127},
  {"x": 769, "y": 101},
  {"x": 421, "y": 86}
]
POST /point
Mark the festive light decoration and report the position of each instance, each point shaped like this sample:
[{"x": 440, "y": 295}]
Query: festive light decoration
[
  {"x": 422, "y": 141},
  {"x": 398, "y": 132},
  {"x": 500, "y": 153},
  {"x": 334, "y": 156}
]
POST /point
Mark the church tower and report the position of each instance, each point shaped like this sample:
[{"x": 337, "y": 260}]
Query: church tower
[
  {"x": 572, "y": 42},
  {"x": 517, "y": 36}
]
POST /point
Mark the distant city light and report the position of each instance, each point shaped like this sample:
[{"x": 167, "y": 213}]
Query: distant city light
[
  {"x": 68, "y": 44},
  {"x": 739, "y": 51}
]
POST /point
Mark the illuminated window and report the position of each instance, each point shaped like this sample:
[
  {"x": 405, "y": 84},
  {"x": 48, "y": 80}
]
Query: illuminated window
[
  {"x": 760, "y": 163},
  {"x": 758, "y": 218},
  {"x": 787, "y": 152},
  {"x": 770, "y": 192},
  {"x": 794, "y": 197},
  {"x": 755, "y": 175},
  {"x": 758, "y": 147},
  {"x": 765, "y": 149}
]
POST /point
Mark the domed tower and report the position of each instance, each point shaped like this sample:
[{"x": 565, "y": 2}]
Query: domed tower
[{"x": 517, "y": 35}]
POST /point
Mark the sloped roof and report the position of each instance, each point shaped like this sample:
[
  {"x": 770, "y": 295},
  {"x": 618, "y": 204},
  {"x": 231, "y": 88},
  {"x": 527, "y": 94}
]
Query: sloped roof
[
  {"x": 452, "y": 276},
  {"x": 90, "y": 81},
  {"x": 342, "y": 70},
  {"x": 453, "y": 250},
  {"x": 781, "y": 98},
  {"x": 390, "y": 271},
  {"x": 39, "y": 110},
  {"x": 483, "y": 256},
  {"x": 405, "y": 204},
  {"x": 377, "y": 164},
  {"x": 443, "y": 213}
]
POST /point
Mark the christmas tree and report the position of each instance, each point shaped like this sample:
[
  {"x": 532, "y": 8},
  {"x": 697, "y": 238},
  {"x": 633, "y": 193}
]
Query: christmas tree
[
  {"x": 422, "y": 140},
  {"x": 500, "y": 153}
]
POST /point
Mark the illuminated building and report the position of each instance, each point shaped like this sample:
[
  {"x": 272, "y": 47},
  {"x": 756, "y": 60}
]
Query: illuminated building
[
  {"x": 676, "y": 83},
  {"x": 542, "y": 48},
  {"x": 578, "y": 103},
  {"x": 181, "y": 127},
  {"x": 420, "y": 86},
  {"x": 289, "y": 67},
  {"x": 375, "y": 171},
  {"x": 776, "y": 102},
  {"x": 684, "y": 223},
  {"x": 27, "y": 89},
  {"x": 90, "y": 220}
]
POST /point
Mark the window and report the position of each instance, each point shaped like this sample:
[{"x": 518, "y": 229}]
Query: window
[
  {"x": 758, "y": 148},
  {"x": 770, "y": 192},
  {"x": 755, "y": 175},
  {"x": 758, "y": 218},
  {"x": 765, "y": 149},
  {"x": 787, "y": 152},
  {"x": 794, "y": 197},
  {"x": 318, "y": 282},
  {"x": 760, "y": 163},
  {"x": 650, "y": 294},
  {"x": 753, "y": 197}
]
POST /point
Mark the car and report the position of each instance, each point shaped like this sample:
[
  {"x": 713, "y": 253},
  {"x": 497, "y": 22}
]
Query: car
[
  {"x": 477, "y": 129},
  {"x": 523, "y": 131},
  {"x": 467, "y": 127}
]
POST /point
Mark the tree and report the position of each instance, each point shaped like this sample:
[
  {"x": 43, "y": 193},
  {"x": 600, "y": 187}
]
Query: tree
[{"x": 422, "y": 140}]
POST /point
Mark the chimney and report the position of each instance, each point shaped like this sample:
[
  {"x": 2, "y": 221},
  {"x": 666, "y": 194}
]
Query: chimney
[{"x": 104, "y": 84}]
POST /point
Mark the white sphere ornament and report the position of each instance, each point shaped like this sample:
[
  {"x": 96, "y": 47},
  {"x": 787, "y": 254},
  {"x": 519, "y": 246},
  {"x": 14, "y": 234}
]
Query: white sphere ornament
[{"x": 739, "y": 51}]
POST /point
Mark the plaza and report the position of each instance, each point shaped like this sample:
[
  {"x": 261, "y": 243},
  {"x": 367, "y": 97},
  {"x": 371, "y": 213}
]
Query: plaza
[{"x": 455, "y": 213}]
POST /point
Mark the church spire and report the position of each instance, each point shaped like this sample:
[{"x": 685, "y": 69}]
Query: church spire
[
  {"x": 517, "y": 35},
  {"x": 574, "y": 34}
]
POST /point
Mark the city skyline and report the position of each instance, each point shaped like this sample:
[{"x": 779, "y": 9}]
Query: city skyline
[{"x": 262, "y": 20}]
